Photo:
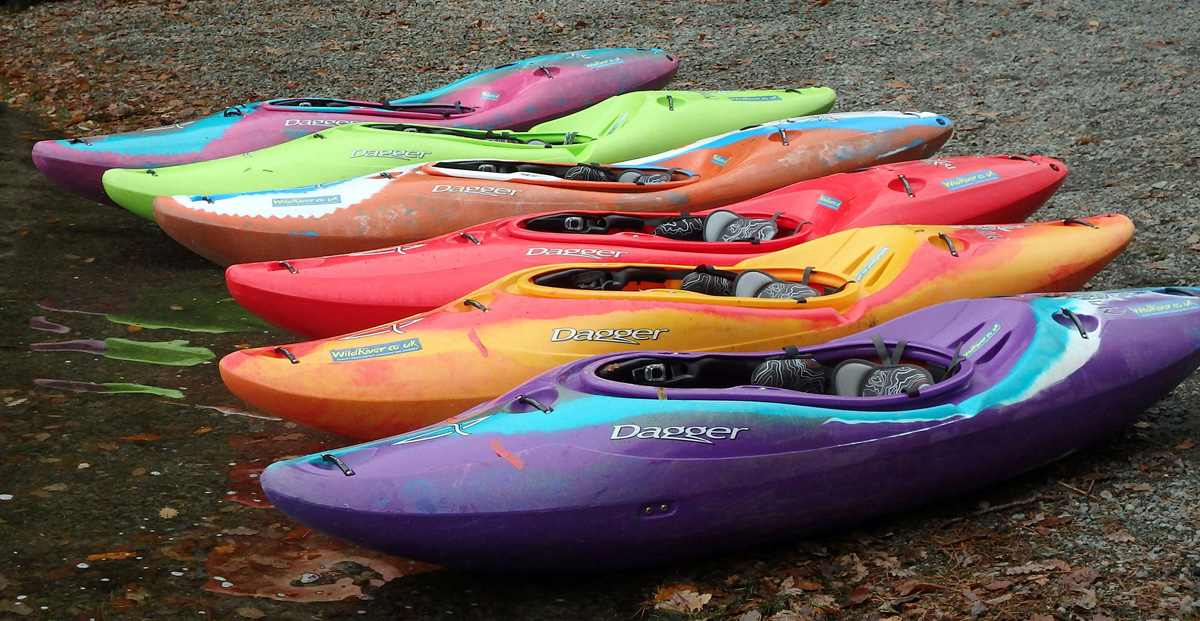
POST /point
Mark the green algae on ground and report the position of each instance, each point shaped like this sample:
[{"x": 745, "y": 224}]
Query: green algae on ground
[
  {"x": 198, "y": 316},
  {"x": 170, "y": 353},
  {"x": 112, "y": 388},
  {"x": 118, "y": 388}
]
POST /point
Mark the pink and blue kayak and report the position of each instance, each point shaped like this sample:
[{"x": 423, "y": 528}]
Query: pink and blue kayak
[
  {"x": 640, "y": 458},
  {"x": 516, "y": 96}
]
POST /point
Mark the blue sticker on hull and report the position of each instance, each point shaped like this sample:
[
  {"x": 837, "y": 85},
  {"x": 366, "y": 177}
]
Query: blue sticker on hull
[
  {"x": 829, "y": 201},
  {"x": 975, "y": 178},
  {"x": 376, "y": 351}
]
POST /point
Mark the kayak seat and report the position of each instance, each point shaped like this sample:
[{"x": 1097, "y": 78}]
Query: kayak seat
[
  {"x": 720, "y": 226},
  {"x": 853, "y": 377},
  {"x": 707, "y": 281}
]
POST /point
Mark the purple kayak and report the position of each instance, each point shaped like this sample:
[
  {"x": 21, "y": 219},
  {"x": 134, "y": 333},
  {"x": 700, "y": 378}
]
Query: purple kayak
[
  {"x": 516, "y": 96},
  {"x": 642, "y": 458}
]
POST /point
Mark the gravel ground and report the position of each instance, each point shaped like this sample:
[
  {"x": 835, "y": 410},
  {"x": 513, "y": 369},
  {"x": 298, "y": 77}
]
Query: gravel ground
[{"x": 1108, "y": 87}]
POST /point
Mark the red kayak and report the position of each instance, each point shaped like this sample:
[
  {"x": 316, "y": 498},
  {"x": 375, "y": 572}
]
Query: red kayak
[{"x": 326, "y": 296}]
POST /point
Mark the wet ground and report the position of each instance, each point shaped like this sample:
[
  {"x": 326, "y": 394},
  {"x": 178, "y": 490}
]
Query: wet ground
[{"x": 117, "y": 504}]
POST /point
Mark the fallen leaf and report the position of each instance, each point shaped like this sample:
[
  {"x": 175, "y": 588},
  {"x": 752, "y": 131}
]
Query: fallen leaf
[
  {"x": 56, "y": 487},
  {"x": 225, "y": 549},
  {"x": 998, "y": 585},
  {"x": 859, "y": 595},
  {"x": 1119, "y": 537},
  {"x": 1082, "y": 577},
  {"x": 684, "y": 601},
  {"x": 202, "y": 430},
  {"x": 908, "y": 587},
  {"x": 667, "y": 592},
  {"x": 111, "y": 556},
  {"x": 250, "y": 613},
  {"x": 141, "y": 437},
  {"x": 1182, "y": 446},
  {"x": 167, "y": 513}
]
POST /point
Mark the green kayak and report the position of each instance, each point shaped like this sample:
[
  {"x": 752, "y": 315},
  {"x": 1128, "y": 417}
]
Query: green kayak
[{"x": 618, "y": 129}]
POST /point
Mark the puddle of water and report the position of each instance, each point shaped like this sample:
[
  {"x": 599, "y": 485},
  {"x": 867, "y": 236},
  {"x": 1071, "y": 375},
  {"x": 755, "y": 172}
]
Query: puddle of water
[
  {"x": 45, "y": 325},
  {"x": 301, "y": 565}
]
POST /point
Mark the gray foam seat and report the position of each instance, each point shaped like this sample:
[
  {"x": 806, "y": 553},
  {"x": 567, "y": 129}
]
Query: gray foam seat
[{"x": 759, "y": 284}]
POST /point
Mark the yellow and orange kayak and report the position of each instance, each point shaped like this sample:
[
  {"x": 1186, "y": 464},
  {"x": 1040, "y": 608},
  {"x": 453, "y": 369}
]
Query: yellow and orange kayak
[{"x": 433, "y": 365}]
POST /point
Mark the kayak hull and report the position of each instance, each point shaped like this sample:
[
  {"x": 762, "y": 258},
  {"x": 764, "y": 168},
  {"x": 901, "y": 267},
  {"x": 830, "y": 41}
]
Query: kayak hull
[
  {"x": 499, "y": 488},
  {"x": 420, "y": 202},
  {"x": 425, "y": 368},
  {"x": 516, "y": 96},
  {"x": 618, "y": 128},
  {"x": 327, "y": 296}
]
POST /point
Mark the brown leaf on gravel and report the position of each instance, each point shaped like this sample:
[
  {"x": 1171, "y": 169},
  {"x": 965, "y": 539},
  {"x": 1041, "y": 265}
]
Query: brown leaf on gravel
[
  {"x": 1082, "y": 577},
  {"x": 1051, "y": 522},
  {"x": 1185, "y": 445},
  {"x": 1119, "y": 537},
  {"x": 1138, "y": 487},
  {"x": 684, "y": 601},
  {"x": 1039, "y": 617},
  {"x": 111, "y": 556},
  {"x": 1027, "y": 568},
  {"x": 250, "y": 613},
  {"x": 141, "y": 437},
  {"x": 908, "y": 587},
  {"x": 667, "y": 592},
  {"x": 859, "y": 595},
  {"x": 998, "y": 585}
]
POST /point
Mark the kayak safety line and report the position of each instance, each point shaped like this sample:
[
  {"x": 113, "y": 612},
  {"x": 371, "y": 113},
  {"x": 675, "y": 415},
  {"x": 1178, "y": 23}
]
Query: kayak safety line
[
  {"x": 290, "y": 356},
  {"x": 1075, "y": 319},
  {"x": 907, "y": 188},
  {"x": 1022, "y": 157},
  {"x": 233, "y": 111},
  {"x": 534, "y": 403},
  {"x": 1168, "y": 290},
  {"x": 386, "y": 175},
  {"x": 288, "y": 266},
  {"x": 476, "y": 304},
  {"x": 337, "y": 461},
  {"x": 318, "y": 135},
  {"x": 474, "y": 240},
  {"x": 1078, "y": 221},
  {"x": 949, "y": 244},
  {"x": 80, "y": 141}
]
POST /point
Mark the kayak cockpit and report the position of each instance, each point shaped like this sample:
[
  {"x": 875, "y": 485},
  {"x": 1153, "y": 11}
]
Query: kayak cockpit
[
  {"x": 543, "y": 140},
  {"x": 589, "y": 177},
  {"x": 314, "y": 104},
  {"x": 792, "y": 285},
  {"x": 875, "y": 372},
  {"x": 720, "y": 226}
]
